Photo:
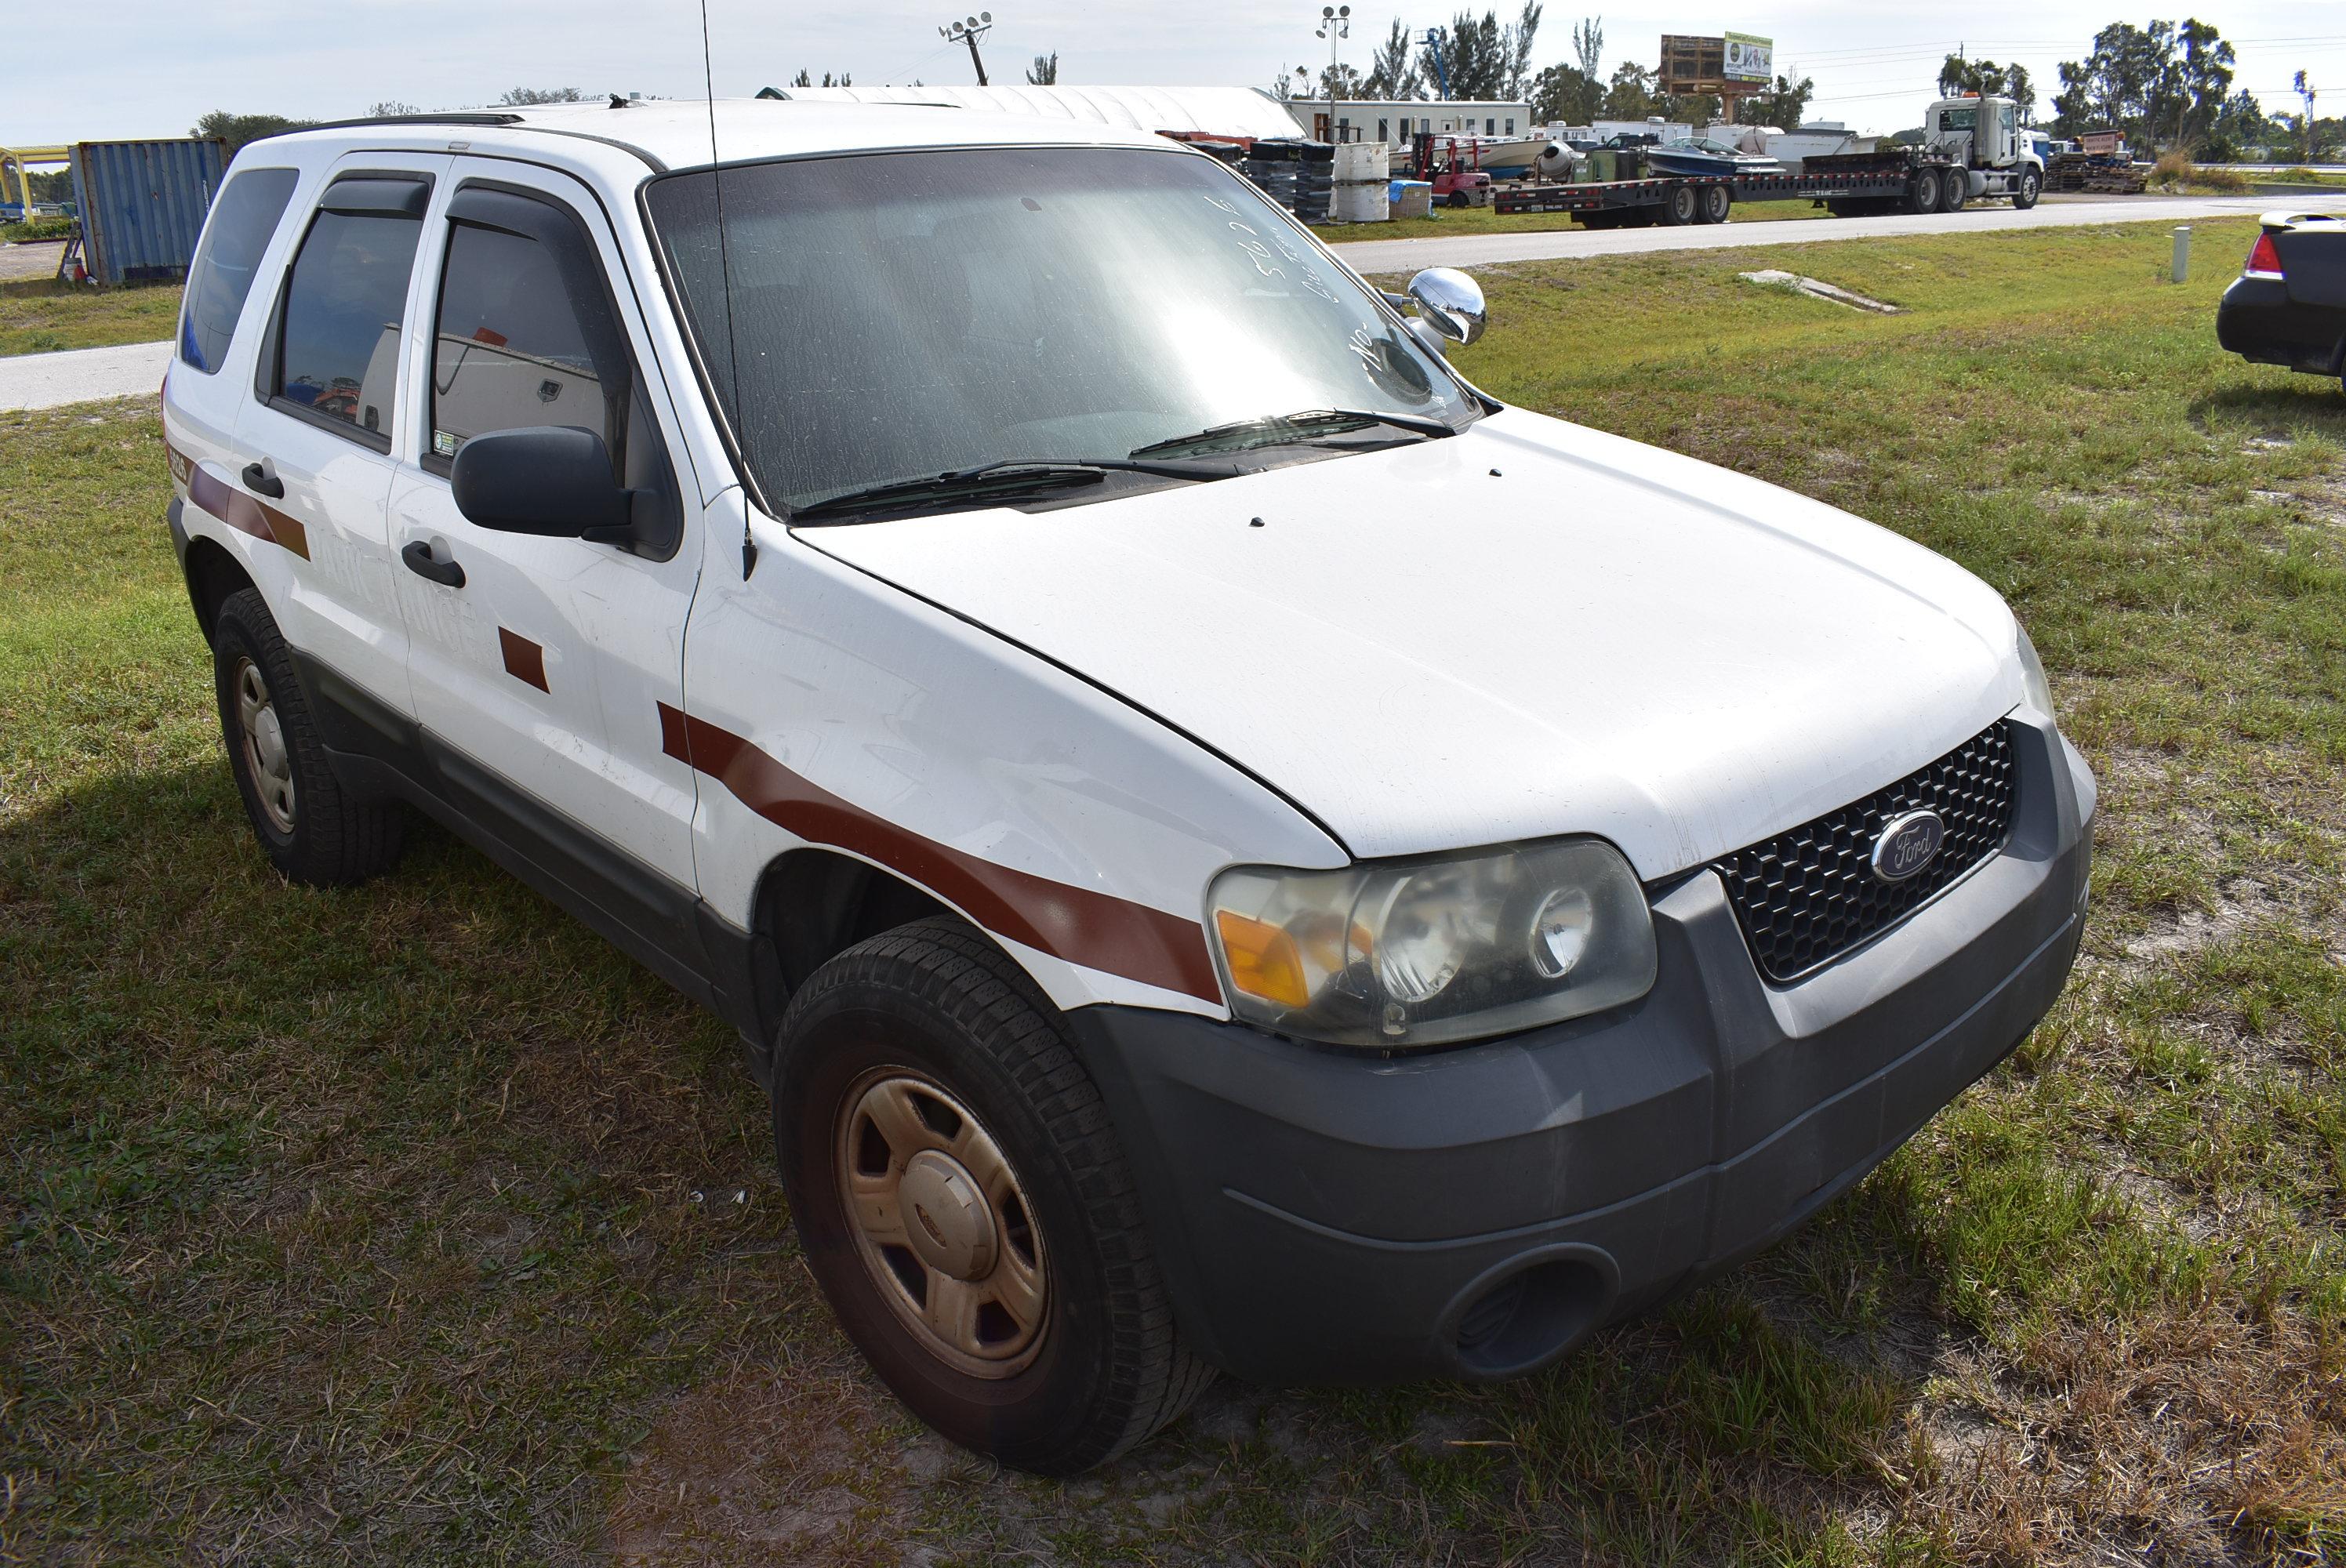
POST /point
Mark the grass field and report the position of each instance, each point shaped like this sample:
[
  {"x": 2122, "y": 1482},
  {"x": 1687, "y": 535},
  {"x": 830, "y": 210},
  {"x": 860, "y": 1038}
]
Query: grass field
[
  {"x": 411, "y": 1225},
  {"x": 39, "y": 315}
]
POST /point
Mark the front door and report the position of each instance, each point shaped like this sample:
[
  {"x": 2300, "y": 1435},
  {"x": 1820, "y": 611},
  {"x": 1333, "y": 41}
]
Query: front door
[{"x": 539, "y": 677}]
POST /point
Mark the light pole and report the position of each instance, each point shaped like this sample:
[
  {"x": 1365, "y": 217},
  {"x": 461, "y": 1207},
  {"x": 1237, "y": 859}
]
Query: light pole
[
  {"x": 969, "y": 31},
  {"x": 1335, "y": 22}
]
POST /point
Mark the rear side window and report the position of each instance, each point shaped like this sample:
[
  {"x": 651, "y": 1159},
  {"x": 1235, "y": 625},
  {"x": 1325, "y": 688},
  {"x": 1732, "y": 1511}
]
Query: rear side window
[
  {"x": 242, "y": 221},
  {"x": 337, "y": 353}
]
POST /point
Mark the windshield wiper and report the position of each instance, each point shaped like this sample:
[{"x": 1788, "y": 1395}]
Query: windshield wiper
[
  {"x": 1005, "y": 476},
  {"x": 1287, "y": 430}
]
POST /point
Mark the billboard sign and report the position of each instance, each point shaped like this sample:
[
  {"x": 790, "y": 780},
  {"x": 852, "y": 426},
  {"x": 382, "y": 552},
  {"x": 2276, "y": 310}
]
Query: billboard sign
[{"x": 1749, "y": 59}]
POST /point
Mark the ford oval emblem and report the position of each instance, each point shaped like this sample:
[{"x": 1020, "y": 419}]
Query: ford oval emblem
[{"x": 1908, "y": 842}]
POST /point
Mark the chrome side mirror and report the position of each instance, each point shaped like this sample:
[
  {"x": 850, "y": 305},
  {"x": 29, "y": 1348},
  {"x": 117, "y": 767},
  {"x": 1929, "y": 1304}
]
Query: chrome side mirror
[{"x": 1450, "y": 303}]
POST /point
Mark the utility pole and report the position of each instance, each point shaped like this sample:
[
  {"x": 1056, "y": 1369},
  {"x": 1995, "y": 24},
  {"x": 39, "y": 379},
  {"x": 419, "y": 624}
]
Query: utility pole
[
  {"x": 969, "y": 31},
  {"x": 1334, "y": 24}
]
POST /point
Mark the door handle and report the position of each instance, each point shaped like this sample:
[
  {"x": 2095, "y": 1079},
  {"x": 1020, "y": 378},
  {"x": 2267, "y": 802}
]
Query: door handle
[
  {"x": 418, "y": 556},
  {"x": 260, "y": 482}
]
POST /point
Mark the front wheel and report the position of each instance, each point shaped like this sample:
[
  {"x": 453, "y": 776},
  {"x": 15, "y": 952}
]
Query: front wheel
[
  {"x": 2032, "y": 185},
  {"x": 1460, "y": 198},
  {"x": 966, "y": 1209}
]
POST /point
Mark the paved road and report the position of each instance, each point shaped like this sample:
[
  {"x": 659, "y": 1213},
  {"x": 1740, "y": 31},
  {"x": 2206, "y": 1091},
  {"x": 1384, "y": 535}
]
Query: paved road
[
  {"x": 2054, "y": 212},
  {"x": 81, "y": 376}
]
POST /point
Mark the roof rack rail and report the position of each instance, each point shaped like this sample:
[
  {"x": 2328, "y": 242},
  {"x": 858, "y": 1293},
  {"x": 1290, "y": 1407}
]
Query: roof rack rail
[{"x": 446, "y": 118}]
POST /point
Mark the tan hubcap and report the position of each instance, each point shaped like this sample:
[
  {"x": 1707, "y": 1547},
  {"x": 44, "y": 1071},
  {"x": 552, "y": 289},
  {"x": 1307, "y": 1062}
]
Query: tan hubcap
[
  {"x": 265, "y": 757},
  {"x": 941, "y": 1223}
]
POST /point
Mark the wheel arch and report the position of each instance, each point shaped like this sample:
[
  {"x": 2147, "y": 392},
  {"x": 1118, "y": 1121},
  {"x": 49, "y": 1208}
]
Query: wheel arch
[
  {"x": 213, "y": 573},
  {"x": 813, "y": 903}
]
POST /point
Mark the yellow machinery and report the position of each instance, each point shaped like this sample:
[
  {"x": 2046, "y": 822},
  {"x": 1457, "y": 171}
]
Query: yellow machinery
[{"x": 20, "y": 158}]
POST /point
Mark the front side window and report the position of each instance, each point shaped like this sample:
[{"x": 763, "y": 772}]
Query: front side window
[
  {"x": 243, "y": 220},
  {"x": 517, "y": 346},
  {"x": 338, "y": 341},
  {"x": 897, "y": 316}
]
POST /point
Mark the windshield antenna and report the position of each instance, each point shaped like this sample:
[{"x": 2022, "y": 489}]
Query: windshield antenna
[{"x": 725, "y": 278}]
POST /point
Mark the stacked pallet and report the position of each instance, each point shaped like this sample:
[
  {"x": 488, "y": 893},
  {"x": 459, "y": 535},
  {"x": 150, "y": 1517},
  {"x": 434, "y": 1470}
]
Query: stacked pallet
[
  {"x": 1298, "y": 175},
  {"x": 2112, "y": 173}
]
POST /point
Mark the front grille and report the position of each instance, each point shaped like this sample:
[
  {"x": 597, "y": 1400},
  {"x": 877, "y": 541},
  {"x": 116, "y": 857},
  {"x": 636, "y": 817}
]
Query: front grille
[{"x": 1807, "y": 896}]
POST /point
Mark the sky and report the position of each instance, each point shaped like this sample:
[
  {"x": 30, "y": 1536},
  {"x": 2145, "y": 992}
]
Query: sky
[{"x": 161, "y": 64}]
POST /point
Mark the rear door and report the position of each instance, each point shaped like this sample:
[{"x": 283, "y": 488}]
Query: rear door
[
  {"x": 314, "y": 444},
  {"x": 543, "y": 675}
]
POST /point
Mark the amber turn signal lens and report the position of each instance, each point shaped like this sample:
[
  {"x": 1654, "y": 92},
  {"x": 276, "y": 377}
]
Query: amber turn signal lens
[{"x": 1262, "y": 959}]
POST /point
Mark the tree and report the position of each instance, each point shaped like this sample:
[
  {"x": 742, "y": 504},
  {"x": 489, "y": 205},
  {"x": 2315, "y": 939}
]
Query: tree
[
  {"x": 804, "y": 79},
  {"x": 1588, "y": 47},
  {"x": 1565, "y": 95},
  {"x": 390, "y": 106},
  {"x": 1631, "y": 95},
  {"x": 1391, "y": 74},
  {"x": 1487, "y": 61},
  {"x": 2239, "y": 125},
  {"x": 1343, "y": 81},
  {"x": 238, "y": 129},
  {"x": 2159, "y": 83},
  {"x": 1285, "y": 84},
  {"x": 1045, "y": 72},
  {"x": 523, "y": 98},
  {"x": 1958, "y": 75},
  {"x": 1784, "y": 107}
]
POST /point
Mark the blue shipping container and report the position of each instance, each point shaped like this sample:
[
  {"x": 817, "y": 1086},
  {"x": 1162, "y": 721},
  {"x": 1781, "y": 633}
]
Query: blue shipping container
[{"x": 143, "y": 203}]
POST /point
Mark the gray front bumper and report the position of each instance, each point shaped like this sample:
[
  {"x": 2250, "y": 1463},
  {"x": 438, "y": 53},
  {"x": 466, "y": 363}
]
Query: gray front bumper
[{"x": 1325, "y": 1217}]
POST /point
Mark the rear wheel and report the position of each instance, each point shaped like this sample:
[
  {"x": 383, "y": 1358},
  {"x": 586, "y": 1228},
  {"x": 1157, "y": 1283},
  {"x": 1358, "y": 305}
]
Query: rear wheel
[
  {"x": 312, "y": 831},
  {"x": 1717, "y": 200},
  {"x": 1680, "y": 207},
  {"x": 2032, "y": 185},
  {"x": 966, "y": 1209},
  {"x": 1460, "y": 198},
  {"x": 1958, "y": 189},
  {"x": 1923, "y": 196}
]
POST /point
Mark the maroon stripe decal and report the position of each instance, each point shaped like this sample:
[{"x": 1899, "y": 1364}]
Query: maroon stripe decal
[
  {"x": 525, "y": 660},
  {"x": 1082, "y": 926},
  {"x": 243, "y": 513}
]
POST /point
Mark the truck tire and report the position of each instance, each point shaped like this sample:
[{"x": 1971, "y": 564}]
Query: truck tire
[
  {"x": 1958, "y": 190},
  {"x": 2025, "y": 195},
  {"x": 1460, "y": 198},
  {"x": 1717, "y": 199},
  {"x": 310, "y": 830},
  {"x": 1681, "y": 206},
  {"x": 919, "y": 1076},
  {"x": 1923, "y": 195}
]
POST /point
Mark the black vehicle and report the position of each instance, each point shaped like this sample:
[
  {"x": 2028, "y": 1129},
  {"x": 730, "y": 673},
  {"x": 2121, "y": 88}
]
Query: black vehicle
[{"x": 2288, "y": 307}]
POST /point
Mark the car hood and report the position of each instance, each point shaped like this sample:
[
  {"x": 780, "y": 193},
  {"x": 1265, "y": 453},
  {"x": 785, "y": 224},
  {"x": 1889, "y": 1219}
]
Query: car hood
[{"x": 1528, "y": 629}]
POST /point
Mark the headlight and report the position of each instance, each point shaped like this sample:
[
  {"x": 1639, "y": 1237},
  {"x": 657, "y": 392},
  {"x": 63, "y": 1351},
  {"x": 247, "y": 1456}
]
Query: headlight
[
  {"x": 1400, "y": 955},
  {"x": 2038, "y": 690}
]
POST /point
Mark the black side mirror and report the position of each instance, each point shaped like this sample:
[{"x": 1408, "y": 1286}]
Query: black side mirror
[{"x": 551, "y": 480}]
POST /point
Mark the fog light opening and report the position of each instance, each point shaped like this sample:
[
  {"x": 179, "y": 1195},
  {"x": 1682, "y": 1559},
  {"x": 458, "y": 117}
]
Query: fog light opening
[{"x": 1531, "y": 1316}]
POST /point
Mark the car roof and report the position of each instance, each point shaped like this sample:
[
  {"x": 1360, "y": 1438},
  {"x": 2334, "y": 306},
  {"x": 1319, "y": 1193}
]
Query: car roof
[{"x": 677, "y": 133}]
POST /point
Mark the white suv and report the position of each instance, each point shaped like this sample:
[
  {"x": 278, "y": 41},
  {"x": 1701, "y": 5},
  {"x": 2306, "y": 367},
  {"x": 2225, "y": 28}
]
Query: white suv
[{"x": 1229, "y": 846}]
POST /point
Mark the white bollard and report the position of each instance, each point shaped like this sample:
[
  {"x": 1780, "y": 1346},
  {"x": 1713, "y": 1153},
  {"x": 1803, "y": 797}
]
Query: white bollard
[{"x": 2182, "y": 253}]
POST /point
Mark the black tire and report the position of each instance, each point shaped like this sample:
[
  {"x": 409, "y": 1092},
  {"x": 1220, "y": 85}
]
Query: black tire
[
  {"x": 1923, "y": 196},
  {"x": 935, "y": 1002},
  {"x": 1460, "y": 198},
  {"x": 1717, "y": 202},
  {"x": 1679, "y": 208},
  {"x": 2025, "y": 195},
  {"x": 313, "y": 832},
  {"x": 1956, "y": 190}
]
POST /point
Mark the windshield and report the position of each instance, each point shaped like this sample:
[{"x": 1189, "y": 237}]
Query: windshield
[{"x": 901, "y": 315}]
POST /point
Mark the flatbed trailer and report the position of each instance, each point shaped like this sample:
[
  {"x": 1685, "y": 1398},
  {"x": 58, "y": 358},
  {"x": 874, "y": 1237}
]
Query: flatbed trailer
[{"x": 1847, "y": 185}]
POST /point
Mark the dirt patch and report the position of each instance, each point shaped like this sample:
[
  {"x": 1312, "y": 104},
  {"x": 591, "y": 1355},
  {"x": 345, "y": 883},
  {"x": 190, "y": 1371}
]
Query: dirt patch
[
  {"x": 33, "y": 259},
  {"x": 799, "y": 1463}
]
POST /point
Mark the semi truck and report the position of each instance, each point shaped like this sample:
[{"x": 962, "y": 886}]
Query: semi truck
[{"x": 1972, "y": 148}]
